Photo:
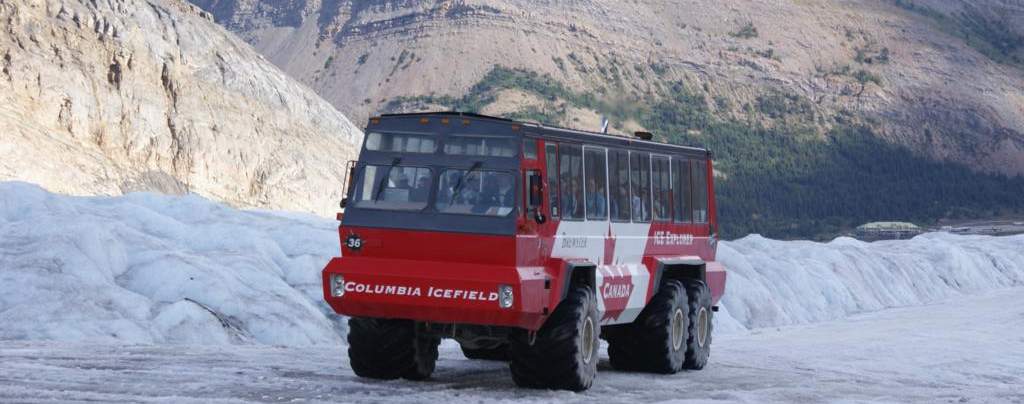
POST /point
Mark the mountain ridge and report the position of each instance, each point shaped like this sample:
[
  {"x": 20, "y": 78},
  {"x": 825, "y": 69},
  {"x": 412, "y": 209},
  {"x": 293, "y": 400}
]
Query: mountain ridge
[
  {"x": 886, "y": 64},
  {"x": 131, "y": 95}
]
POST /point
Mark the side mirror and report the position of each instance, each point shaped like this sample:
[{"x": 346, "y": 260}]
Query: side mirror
[{"x": 344, "y": 202}]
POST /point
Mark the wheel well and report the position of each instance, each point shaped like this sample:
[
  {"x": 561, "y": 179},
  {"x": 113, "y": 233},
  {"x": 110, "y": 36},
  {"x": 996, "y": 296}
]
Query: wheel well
[
  {"x": 681, "y": 271},
  {"x": 579, "y": 274}
]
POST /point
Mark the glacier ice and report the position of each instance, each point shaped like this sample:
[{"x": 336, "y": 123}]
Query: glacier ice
[{"x": 146, "y": 268}]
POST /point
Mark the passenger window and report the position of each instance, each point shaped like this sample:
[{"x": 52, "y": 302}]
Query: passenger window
[
  {"x": 570, "y": 164},
  {"x": 596, "y": 186},
  {"x": 618, "y": 184},
  {"x": 640, "y": 186},
  {"x": 700, "y": 191},
  {"x": 662, "y": 189},
  {"x": 393, "y": 142},
  {"x": 476, "y": 192},
  {"x": 681, "y": 190},
  {"x": 530, "y": 149},
  {"x": 551, "y": 157},
  {"x": 480, "y": 146},
  {"x": 394, "y": 188}
]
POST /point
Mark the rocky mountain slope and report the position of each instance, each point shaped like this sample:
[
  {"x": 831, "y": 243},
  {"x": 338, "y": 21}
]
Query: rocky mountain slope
[
  {"x": 112, "y": 96},
  {"x": 944, "y": 78}
]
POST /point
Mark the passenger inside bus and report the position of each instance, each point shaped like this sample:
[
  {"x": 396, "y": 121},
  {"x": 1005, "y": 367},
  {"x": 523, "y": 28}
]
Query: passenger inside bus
[
  {"x": 596, "y": 203},
  {"x": 640, "y": 212},
  {"x": 572, "y": 206},
  {"x": 422, "y": 190},
  {"x": 397, "y": 187},
  {"x": 470, "y": 191},
  {"x": 507, "y": 192},
  {"x": 478, "y": 193},
  {"x": 621, "y": 199},
  {"x": 489, "y": 197}
]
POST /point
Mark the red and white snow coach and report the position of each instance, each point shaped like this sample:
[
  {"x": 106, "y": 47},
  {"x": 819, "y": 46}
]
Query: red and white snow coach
[{"x": 525, "y": 243}]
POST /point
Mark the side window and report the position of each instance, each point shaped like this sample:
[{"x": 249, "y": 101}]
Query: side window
[
  {"x": 596, "y": 186},
  {"x": 570, "y": 171},
  {"x": 551, "y": 159},
  {"x": 662, "y": 188},
  {"x": 640, "y": 186},
  {"x": 618, "y": 184},
  {"x": 700, "y": 191},
  {"x": 530, "y": 149},
  {"x": 681, "y": 190}
]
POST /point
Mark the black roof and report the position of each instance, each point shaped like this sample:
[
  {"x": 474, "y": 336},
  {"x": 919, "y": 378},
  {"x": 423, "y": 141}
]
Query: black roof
[{"x": 558, "y": 132}]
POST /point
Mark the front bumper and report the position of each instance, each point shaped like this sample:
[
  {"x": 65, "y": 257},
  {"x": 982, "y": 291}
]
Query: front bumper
[{"x": 438, "y": 292}]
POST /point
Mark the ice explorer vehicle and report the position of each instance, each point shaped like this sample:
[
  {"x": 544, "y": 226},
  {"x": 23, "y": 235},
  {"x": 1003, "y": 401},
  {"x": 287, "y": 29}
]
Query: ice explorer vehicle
[{"x": 525, "y": 243}]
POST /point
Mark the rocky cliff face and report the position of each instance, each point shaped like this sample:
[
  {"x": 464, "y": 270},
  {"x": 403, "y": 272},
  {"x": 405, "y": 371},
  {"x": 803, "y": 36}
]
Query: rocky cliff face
[
  {"x": 112, "y": 96},
  {"x": 943, "y": 78}
]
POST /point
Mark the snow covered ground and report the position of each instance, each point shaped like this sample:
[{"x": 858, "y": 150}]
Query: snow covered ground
[
  {"x": 965, "y": 350},
  {"x": 149, "y": 268},
  {"x": 148, "y": 297}
]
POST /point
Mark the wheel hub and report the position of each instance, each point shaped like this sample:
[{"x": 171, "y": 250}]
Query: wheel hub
[
  {"x": 702, "y": 326},
  {"x": 587, "y": 342},
  {"x": 677, "y": 328}
]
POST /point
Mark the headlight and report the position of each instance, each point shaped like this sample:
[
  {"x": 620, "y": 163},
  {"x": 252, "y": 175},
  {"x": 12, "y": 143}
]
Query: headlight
[
  {"x": 505, "y": 296},
  {"x": 337, "y": 285}
]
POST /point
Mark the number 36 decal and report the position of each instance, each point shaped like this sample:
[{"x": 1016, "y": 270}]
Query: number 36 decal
[{"x": 353, "y": 242}]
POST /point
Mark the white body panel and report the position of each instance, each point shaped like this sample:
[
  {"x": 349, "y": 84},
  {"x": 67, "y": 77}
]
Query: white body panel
[{"x": 617, "y": 249}]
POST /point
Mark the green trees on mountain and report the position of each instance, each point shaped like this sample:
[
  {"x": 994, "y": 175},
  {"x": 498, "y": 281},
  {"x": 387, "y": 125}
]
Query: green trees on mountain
[
  {"x": 991, "y": 33},
  {"x": 786, "y": 181}
]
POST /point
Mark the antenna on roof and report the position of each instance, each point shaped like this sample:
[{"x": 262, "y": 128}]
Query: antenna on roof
[{"x": 604, "y": 125}]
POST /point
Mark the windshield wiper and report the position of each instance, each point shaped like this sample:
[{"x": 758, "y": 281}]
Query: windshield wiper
[
  {"x": 384, "y": 179},
  {"x": 458, "y": 185}
]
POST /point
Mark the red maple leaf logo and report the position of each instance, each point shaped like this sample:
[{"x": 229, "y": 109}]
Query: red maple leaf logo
[{"x": 616, "y": 288}]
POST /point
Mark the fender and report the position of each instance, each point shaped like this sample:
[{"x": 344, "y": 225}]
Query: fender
[
  {"x": 686, "y": 267},
  {"x": 576, "y": 271}
]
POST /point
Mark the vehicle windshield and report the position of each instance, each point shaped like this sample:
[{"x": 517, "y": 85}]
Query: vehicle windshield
[
  {"x": 475, "y": 192},
  {"x": 459, "y": 191},
  {"x": 393, "y": 187}
]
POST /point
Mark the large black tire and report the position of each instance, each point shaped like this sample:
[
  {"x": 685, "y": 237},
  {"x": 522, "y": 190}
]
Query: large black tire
[
  {"x": 563, "y": 355},
  {"x": 698, "y": 342},
  {"x": 656, "y": 341},
  {"x": 498, "y": 352},
  {"x": 390, "y": 349}
]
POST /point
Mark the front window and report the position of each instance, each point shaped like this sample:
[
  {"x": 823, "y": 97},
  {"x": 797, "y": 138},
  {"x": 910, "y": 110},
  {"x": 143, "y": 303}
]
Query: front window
[
  {"x": 476, "y": 192},
  {"x": 551, "y": 156},
  {"x": 570, "y": 170},
  {"x": 405, "y": 143},
  {"x": 393, "y": 187},
  {"x": 480, "y": 146}
]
